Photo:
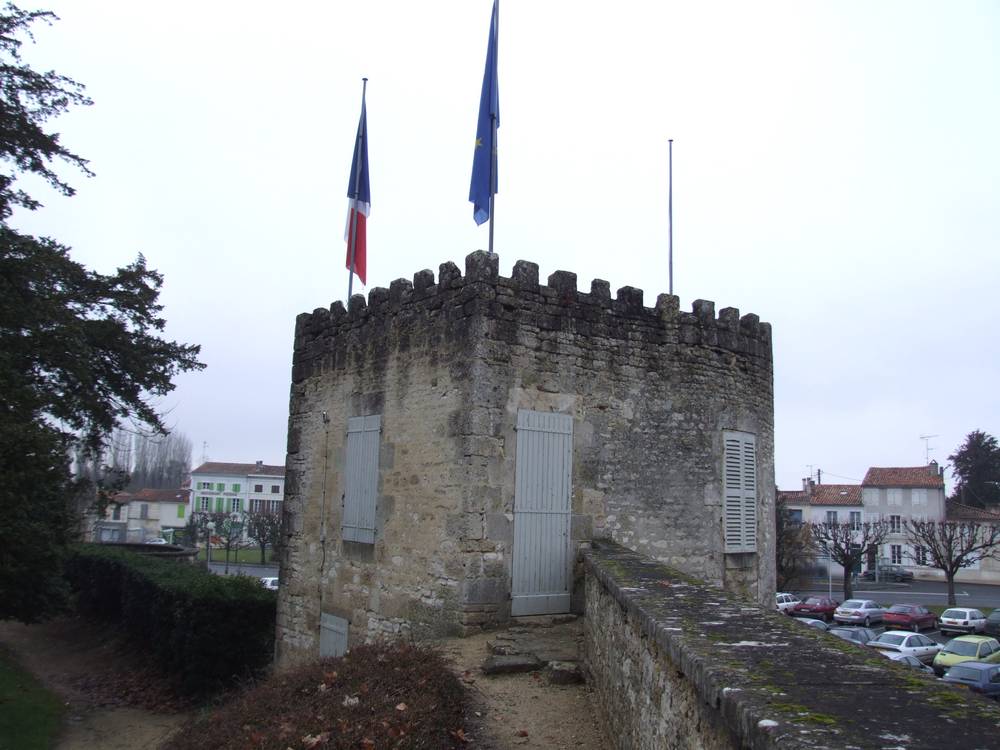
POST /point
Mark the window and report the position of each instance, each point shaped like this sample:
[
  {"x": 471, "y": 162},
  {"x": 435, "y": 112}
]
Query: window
[
  {"x": 234, "y": 506},
  {"x": 831, "y": 517},
  {"x": 894, "y": 525},
  {"x": 205, "y": 504},
  {"x": 116, "y": 513},
  {"x": 920, "y": 555},
  {"x": 276, "y": 488},
  {"x": 894, "y": 496},
  {"x": 360, "y": 479},
  {"x": 918, "y": 497},
  {"x": 236, "y": 488},
  {"x": 855, "y": 519},
  {"x": 219, "y": 505},
  {"x": 220, "y": 487},
  {"x": 258, "y": 488},
  {"x": 254, "y": 505},
  {"x": 795, "y": 517},
  {"x": 180, "y": 511},
  {"x": 896, "y": 553},
  {"x": 739, "y": 480},
  {"x": 144, "y": 510}
]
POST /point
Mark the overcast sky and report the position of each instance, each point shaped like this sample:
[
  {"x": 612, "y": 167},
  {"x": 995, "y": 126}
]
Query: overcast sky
[{"x": 836, "y": 172}]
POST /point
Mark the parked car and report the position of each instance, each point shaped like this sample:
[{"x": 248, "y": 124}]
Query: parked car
[
  {"x": 269, "y": 582},
  {"x": 156, "y": 540},
  {"x": 889, "y": 573},
  {"x": 913, "y": 617},
  {"x": 859, "y": 611},
  {"x": 962, "y": 620},
  {"x": 860, "y": 636},
  {"x": 910, "y": 661},
  {"x": 813, "y": 623},
  {"x": 967, "y": 648},
  {"x": 903, "y": 642},
  {"x": 993, "y": 623},
  {"x": 819, "y": 607},
  {"x": 784, "y": 602},
  {"x": 979, "y": 677}
]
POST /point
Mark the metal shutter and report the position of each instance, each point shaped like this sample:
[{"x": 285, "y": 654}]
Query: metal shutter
[{"x": 740, "y": 492}]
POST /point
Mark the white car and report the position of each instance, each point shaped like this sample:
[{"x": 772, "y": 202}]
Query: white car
[
  {"x": 269, "y": 583},
  {"x": 156, "y": 540},
  {"x": 904, "y": 642},
  {"x": 784, "y": 602},
  {"x": 859, "y": 612},
  {"x": 962, "y": 620}
]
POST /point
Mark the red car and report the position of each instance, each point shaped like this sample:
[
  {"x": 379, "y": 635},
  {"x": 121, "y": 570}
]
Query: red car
[
  {"x": 909, "y": 617},
  {"x": 816, "y": 606}
]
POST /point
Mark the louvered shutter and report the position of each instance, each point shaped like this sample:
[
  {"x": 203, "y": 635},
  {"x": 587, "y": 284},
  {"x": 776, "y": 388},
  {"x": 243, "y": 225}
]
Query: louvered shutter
[
  {"x": 740, "y": 492},
  {"x": 361, "y": 479}
]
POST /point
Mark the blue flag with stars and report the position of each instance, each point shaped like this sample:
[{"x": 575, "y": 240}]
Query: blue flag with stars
[{"x": 484, "y": 159}]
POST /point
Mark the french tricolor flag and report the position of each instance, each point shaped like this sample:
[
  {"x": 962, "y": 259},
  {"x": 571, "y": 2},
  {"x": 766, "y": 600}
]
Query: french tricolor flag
[{"x": 359, "y": 198}]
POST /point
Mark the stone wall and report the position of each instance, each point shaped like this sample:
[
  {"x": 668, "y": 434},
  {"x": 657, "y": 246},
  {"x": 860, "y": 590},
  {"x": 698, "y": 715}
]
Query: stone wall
[
  {"x": 448, "y": 365},
  {"x": 676, "y": 663}
]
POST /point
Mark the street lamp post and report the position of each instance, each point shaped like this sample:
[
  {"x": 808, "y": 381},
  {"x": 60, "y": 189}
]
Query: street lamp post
[{"x": 209, "y": 528}]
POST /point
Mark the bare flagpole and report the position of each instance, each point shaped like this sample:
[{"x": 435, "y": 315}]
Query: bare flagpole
[
  {"x": 353, "y": 238},
  {"x": 493, "y": 175},
  {"x": 670, "y": 217}
]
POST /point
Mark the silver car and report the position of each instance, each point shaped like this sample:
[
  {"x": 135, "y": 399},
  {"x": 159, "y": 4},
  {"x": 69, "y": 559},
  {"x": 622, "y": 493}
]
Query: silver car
[
  {"x": 905, "y": 642},
  {"x": 859, "y": 612}
]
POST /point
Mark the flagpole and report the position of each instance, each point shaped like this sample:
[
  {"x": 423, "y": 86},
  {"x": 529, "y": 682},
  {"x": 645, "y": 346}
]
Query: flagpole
[
  {"x": 354, "y": 214},
  {"x": 670, "y": 217},
  {"x": 493, "y": 175}
]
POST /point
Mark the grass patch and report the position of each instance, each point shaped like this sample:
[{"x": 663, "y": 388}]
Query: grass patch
[
  {"x": 383, "y": 695},
  {"x": 30, "y": 715},
  {"x": 801, "y": 713}
]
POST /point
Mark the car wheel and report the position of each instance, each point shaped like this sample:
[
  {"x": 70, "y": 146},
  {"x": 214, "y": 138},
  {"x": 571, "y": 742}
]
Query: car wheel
[
  {"x": 916, "y": 627},
  {"x": 868, "y": 622}
]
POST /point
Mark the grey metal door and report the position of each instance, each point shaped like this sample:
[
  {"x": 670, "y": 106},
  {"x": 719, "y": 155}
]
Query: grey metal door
[
  {"x": 541, "y": 564},
  {"x": 332, "y": 635}
]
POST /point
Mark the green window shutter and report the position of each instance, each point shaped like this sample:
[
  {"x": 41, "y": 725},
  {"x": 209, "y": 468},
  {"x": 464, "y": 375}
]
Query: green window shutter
[
  {"x": 219, "y": 508},
  {"x": 180, "y": 511},
  {"x": 236, "y": 488},
  {"x": 220, "y": 487}
]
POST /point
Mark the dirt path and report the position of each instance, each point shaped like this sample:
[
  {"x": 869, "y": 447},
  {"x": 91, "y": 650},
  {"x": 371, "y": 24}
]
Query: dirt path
[
  {"x": 91, "y": 673},
  {"x": 109, "y": 698},
  {"x": 524, "y": 710}
]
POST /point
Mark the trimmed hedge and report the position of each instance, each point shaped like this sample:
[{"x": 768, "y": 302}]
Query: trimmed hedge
[{"x": 205, "y": 632}]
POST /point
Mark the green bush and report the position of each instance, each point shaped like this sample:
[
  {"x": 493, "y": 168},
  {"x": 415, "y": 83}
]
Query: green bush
[{"x": 203, "y": 631}]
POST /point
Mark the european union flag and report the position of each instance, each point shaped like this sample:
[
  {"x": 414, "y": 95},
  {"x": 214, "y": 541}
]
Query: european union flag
[{"x": 484, "y": 158}]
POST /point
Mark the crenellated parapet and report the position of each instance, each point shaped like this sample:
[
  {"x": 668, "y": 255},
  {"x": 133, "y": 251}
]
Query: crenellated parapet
[{"x": 558, "y": 305}]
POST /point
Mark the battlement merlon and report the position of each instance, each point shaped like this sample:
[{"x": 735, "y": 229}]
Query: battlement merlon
[{"x": 745, "y": 335}]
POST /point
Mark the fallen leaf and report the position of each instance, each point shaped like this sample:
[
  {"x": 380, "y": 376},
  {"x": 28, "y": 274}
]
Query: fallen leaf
[
  {"x": 400, "y": 706},
  {"x": 367, "y": 744},
  {"x": 522, "y": 732},
  {"x": 459, "y": 734}
]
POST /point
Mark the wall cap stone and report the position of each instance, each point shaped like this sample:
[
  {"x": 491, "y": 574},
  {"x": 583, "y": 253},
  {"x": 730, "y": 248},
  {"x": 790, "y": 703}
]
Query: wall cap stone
[{"x": 779, "y": 684}]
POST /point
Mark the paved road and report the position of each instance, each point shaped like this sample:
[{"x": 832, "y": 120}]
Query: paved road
[
  {"x": 978, "y": 595},
  {"x": 245, "y": 569}
]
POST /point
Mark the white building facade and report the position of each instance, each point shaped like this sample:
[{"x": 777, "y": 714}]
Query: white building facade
[
  {"x": 237, "y": 488},
  {"x": 900, "y": 494}
]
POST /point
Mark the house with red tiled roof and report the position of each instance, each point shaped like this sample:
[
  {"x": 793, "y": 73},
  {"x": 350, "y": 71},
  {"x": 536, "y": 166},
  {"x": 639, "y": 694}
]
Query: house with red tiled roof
[
  {"x": 145, "y": 514},
  {"x": 897, "y": 495}
]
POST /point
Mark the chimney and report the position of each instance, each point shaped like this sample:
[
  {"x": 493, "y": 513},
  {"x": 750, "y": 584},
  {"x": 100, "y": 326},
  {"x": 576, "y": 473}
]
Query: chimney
[
  {"x": 260, "y": 467},
  {"x": 932, "y": 468},
  {"x": 807, "y": 486}
]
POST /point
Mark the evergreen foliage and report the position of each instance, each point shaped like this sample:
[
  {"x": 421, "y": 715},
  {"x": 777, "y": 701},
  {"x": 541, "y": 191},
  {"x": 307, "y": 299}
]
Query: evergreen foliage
[{"x": 205, "y": 632}]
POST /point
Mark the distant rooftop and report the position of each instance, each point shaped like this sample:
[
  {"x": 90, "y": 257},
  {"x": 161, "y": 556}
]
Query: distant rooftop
[
  {"x": 218, "y": 467},
  {"x": 824, "y": 494},
  {"x": 906, "y": 476},
  {"x": 955, "y": 511}
]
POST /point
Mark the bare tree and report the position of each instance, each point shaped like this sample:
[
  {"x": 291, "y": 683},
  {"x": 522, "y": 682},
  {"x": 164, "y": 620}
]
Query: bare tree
[
  {"x": 228, "y": 529},
  {"x": 160, "y": 461},
  {"x": 793, "y": 547},
  {"x": 264, "y": 530},
  {"x": 950, "y": 546},
  {"x": 848, "y": 543}
]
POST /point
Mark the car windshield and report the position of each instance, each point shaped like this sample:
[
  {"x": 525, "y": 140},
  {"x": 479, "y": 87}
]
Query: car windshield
[
  {"x": 994, "y": 616},
  {"x": 901, "y": 609},
  {"x": 853, "y": 604},
  {"x": 814, "y": 600},
  {"x": 961, "y": 648},
  {"x": 964, "y": 673},
  {"x": 890, "y": 638},
  {"x": 956, "y": 614}
]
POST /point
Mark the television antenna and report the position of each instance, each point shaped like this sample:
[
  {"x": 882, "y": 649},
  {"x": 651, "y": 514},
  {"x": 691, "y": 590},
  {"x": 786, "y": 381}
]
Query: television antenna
[{"x": 927, "y": 447}]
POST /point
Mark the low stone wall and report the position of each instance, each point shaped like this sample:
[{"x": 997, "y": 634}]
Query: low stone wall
[{"x": 676, "y": 663}]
